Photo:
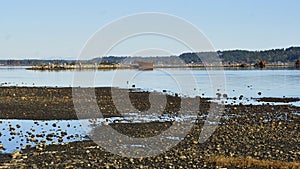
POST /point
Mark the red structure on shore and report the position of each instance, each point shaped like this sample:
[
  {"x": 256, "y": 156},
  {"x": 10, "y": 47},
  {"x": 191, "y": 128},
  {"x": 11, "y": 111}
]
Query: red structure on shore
[{"x": 261, "y": 64}]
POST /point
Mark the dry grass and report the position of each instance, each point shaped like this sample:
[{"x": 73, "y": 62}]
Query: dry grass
[{"x": 251, "y": 162}]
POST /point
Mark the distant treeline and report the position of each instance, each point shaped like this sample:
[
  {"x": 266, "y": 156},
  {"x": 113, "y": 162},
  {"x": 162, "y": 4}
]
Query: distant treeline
[
  {"x": 31, "y": 62},
  {"x": 243, "y": 56},
  {"x": 231, "y": 56},
  {"x": 283, "y": 55},
  {"x": 37, "y": 62}
]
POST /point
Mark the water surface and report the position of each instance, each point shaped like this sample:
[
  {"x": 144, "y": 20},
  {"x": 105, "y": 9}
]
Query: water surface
[{"x": 272, "y": 82}]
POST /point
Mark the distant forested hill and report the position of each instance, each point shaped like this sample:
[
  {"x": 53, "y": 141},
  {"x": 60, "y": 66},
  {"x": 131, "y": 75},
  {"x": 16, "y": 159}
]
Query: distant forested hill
[
  {"x": 31, "y": 62},
  {"x": 283, "y": 55},
  {"x": 234, "y": 56}
]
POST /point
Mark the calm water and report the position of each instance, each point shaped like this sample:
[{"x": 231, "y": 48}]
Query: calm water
[{"x": 270, "y": 82}]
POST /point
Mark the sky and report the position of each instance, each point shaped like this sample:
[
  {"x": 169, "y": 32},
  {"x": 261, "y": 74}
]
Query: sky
[{"x": 61, "y": 28}]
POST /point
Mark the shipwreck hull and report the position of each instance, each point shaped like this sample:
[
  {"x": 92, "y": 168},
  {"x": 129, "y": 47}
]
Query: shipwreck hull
[{"x": 145, "y": 65}]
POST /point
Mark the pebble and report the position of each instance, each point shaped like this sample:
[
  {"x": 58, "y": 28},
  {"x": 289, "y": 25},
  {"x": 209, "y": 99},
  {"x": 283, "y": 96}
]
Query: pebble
[{"x": 15, "y": 154}]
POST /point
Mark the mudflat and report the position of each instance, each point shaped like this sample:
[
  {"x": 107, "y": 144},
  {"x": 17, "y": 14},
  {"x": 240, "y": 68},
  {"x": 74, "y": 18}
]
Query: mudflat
[{"x": 253, "y": 136}]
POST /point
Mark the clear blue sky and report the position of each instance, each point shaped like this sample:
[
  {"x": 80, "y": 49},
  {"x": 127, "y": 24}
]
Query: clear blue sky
[{"x": 60, "y": 28}]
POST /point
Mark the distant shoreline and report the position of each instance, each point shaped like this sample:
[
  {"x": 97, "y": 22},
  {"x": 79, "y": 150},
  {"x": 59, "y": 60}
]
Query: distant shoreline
[
  {"x": 120, "y": 66},
  {"x": 278, "y": 57}
]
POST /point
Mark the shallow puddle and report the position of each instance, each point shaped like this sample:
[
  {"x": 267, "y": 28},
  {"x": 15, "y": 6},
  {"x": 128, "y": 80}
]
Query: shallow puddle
[
  {"x": 18, "y": 134},
  {"x": 248, "y": 101}
]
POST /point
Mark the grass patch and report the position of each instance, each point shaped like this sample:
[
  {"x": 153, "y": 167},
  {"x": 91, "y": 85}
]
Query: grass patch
[{"x": 251, "y": 162}]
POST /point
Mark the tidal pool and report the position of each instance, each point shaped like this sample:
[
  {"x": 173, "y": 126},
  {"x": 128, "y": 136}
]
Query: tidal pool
[{"x": 18, "y": 134}]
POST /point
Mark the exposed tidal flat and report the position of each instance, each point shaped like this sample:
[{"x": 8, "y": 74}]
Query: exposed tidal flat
[{"x": 247, "y": 136}]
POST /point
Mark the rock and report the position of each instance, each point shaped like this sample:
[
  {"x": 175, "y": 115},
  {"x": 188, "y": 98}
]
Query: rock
[
  {"x": 15, "y": 154},
  {"x": 69, "y": 166},
  {"x": 2, "y": 147},
  {"x": 34, "y": 166},
  {"x": 183, "y": 157}
]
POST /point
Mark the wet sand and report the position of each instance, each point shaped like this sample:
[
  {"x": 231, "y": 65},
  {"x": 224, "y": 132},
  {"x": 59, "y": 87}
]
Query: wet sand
[{"x": 263, "y": 132}]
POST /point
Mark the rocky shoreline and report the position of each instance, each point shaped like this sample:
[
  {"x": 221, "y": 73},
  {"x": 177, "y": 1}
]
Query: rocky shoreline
[{"x": 259, "y": 132}]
